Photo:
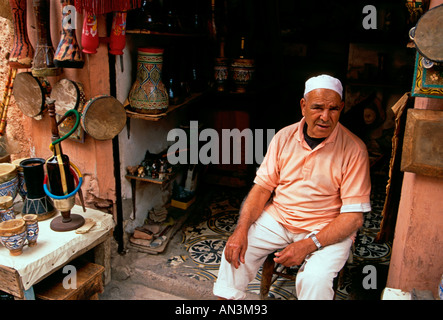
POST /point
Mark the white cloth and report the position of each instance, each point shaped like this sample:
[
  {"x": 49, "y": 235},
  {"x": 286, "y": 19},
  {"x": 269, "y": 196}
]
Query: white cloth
[
  {"x": 53, "y": 248},
  {"x": 314, "y": 280},
  {"x": 324, "y": 82}
]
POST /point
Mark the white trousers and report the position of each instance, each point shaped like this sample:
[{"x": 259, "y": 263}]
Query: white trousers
[{"x": 314, "y": 280}]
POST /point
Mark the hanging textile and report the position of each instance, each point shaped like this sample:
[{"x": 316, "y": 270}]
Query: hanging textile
[{"x": 105, "y": 6}]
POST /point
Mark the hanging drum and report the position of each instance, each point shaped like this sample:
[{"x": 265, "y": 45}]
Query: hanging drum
[
  {"x": 22, "y": 51},
  {"x": 103, "y": 117},
  {"x": 428, "y": 36},
  {"x": 43, "y": 62},
  {"x": 68, "y": 95},
  {"x": 30, "y": 93},
  {"x": 68, "y": 53}
]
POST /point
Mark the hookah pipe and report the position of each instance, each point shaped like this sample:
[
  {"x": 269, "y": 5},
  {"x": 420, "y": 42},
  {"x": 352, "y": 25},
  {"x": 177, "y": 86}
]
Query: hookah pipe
[{"x": 63, "y": 178}]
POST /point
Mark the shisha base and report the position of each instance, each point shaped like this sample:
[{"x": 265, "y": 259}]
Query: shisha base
[{"x": 71, "y": 222}]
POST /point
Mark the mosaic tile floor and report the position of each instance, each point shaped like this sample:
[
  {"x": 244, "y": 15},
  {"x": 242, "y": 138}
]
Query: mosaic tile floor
[{"x": 204, "y": 243}]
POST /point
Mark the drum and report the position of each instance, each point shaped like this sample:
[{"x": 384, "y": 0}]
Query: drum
[
  {"x": 428, "y": 34},
  {"x": 30, "y": 93},
  {"x": 103, "y": 117},
  {"x": 68, "y": 95}
]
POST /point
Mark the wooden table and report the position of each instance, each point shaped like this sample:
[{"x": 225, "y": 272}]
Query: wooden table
[{"x": 53, "y": 251}]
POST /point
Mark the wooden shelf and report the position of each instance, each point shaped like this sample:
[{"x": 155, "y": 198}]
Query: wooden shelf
[
  {"x": 167, "y": 34},
  {"x": 171, "y": 108},
  {"x": 147, "y": 179}
]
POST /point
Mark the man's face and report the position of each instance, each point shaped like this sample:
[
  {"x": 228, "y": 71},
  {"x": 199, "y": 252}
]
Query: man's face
[{"x": 321, "y": 109}]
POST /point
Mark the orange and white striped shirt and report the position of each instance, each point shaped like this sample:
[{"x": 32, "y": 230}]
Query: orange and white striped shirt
[{"x": 312, "y": 187}]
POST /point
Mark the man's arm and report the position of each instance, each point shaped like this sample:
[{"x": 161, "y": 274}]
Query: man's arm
[
  {"x": 339, "y": 229},
  {"x": 252, "y": 209}
]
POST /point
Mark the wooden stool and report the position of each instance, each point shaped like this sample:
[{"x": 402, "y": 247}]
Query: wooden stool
[
  {"x": 271, "y": 271},
  {"x": 89, "y": 284}
]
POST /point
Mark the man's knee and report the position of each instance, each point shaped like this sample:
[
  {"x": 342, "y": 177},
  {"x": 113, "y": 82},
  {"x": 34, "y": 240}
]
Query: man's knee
[{"x": 314, "y": 286}]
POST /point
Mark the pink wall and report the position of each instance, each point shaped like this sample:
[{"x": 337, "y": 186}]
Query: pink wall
[{"x": 417, "y": 256}]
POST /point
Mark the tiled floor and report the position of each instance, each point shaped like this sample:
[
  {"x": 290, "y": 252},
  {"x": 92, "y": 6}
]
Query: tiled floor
[{"x": 204, "y": 238}]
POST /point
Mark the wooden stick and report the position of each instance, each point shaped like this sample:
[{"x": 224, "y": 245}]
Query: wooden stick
[{"x": 6, "y": 99}]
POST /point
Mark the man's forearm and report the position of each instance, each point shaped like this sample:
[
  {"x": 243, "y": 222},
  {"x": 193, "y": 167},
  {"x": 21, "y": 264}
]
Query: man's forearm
[
  {"x": 253, "y": 206},
  {"x": 340, "y": 228}
]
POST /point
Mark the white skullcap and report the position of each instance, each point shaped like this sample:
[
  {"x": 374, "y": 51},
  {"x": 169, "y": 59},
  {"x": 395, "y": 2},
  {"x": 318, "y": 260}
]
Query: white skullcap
[{"x": 324, "y": 82}]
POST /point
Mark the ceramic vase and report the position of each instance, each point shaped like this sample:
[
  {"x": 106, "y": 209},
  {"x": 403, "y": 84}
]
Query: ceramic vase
[
  {"x": 13, "y": 235},
  {"x": 118, "y": 33},
  {"x": 221, "y": 73},
  {"x": 22, "y": 51},
  {"x": 90, "y": 39},
  {"x": 6, "y": 208},
  {"x": 21, "y": 178},
  {"x": 32, "y": 230},
  {"x": 68, "y": 53},
  {"x": 242, "y": 71},
  {"x": 37, "y": 202},
  {"x": 148, "y": 93}
]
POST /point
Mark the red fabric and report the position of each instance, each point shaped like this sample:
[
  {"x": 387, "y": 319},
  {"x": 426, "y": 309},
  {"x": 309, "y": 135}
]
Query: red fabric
[{"x": 105, "y": 6}]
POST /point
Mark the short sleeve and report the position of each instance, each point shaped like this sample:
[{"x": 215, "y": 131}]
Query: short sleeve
[{"x": 355, "y": 189}]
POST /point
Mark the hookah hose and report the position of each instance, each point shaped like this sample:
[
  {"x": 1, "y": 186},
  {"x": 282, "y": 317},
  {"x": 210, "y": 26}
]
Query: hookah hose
[{"x": 55, "y": 147}]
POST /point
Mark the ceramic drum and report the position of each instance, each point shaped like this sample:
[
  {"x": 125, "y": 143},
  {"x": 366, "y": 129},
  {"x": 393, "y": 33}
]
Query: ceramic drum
[
  {"x": 103, "y": 117},
  {"x": 30, "y": 93},
  {"x": 68, "y": 95}
]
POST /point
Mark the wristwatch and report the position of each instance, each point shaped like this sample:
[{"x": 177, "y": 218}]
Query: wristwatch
[{"x": 317, "y": 243}]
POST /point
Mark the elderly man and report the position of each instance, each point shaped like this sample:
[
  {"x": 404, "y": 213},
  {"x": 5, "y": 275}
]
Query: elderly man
[{"x": 308, "y": 200}]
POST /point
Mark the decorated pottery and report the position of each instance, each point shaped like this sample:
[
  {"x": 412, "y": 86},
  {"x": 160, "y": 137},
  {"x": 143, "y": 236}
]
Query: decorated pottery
[
  {"x": 221, "y": 72},
  {"x": 8, "y": 180},
  {"x": 22, "y": 51},
  {"x": 148, "y": 93},
  {"x": 117, "y": 40},
  {"x": 13, "y": 235},
  {"x": 242, "y": 71},
  {"x": 68, "y": 53},
  {"x": 36, "y": 202},
  {"x": 90, "y": 39},
  {"x": 21, "y": 178},
  {"x": 6, "y": 209},
  {"x": 32, "y": 230}
]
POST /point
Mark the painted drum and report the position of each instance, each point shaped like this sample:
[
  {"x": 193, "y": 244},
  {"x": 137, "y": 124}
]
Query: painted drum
[
  {"x": 30, "y": 93},
  {"x": 103, "y": 117},
  {"x": 68, "y": 95}
]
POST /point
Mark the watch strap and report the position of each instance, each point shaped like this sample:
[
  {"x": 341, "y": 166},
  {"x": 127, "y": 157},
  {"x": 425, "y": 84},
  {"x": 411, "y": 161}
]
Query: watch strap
[{"x": 317, "y": 243}]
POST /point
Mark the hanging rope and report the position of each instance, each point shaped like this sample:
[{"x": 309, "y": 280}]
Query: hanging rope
[{"x": 6, "y": 98}]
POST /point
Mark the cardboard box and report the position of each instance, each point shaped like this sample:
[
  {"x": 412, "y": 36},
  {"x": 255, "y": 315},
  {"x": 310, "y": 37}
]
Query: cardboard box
[{"x": 182, "y": 205}]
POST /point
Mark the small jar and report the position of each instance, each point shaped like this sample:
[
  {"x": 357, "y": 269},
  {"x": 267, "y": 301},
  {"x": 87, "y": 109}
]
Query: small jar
[{"x": 6, "y": 208}]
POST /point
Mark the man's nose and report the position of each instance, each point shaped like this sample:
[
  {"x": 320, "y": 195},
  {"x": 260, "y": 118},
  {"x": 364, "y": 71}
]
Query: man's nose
[{"x": 324, "y": 116}]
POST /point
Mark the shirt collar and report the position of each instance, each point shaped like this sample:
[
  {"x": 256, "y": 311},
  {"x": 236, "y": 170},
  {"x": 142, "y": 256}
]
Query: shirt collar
[{"x": 300, "y": 137}]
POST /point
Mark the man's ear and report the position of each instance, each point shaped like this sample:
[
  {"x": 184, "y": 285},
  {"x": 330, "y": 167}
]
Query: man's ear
[{"x": 302, "y": 106}]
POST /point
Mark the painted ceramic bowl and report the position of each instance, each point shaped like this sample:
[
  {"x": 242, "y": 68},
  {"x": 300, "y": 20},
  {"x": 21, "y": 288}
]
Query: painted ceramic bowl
[
  {"x": 7, "y": 172},
  {"x": 10, "y": 187},
  {"x": 13, "y": 235}
]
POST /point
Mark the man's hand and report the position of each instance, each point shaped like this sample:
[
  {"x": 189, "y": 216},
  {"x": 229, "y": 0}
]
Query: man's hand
[
  {"x": 295, "y": 253},
  {"x": 236, "y": 248}
]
